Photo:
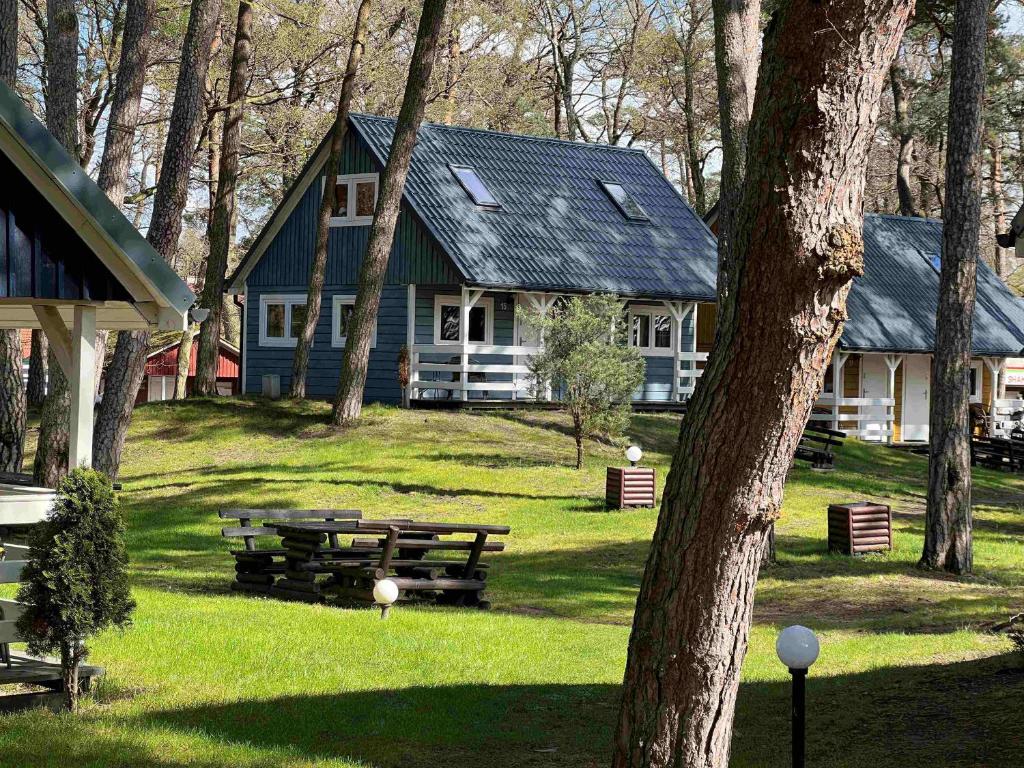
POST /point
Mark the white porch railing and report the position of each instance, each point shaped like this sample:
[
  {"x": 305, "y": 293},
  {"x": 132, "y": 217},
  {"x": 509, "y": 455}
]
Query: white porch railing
[
  {"x": 462, "y": 375},
  {"x": 875, "y": 418},
  {"x": 1003, "y": 410},
  {"x": 688, "y": 372}
]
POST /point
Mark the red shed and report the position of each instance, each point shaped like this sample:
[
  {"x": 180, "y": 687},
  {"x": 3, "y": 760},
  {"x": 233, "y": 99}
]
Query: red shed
[{"x": 162, "y": 367}]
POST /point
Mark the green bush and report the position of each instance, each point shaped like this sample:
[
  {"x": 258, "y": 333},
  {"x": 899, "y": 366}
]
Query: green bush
[
  {"x": 76, "y": 580},
  {"x": 585, "y": 355}
]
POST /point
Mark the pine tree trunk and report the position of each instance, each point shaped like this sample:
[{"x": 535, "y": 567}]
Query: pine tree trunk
[
  {"x": 905, "y": 135},
  {"x": 61, "y": 53},
  {"x": 124, "y": 106},
  {"x": 35, "y": 392},
  {"x": 223, "y": 215},
  {"x": 69, "y": 667},
  {"x": 124, "y": 375},
  {"x": 947, "y": 541},
  {"x": 1002, "y": 261},
  {"x": 12, "y": 388},
  {"x": 183, "y": 363},
  {"x": 737, "y": 41},
  {"x": 349, "y": 399},
  {"x": 300, "y": 361},
  {"x": 798, "y": 245},
  {"x": 693, "y": 159},
  {"x": 12, "y": 401}
]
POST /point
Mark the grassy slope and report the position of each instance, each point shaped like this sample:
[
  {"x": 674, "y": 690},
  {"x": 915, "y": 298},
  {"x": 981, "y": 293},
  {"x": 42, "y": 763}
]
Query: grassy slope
[{"x": 206, "y": 678}]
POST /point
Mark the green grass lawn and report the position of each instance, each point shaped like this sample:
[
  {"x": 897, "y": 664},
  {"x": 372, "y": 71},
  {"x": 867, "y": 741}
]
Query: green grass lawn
[{"x": 908, "y": 675}]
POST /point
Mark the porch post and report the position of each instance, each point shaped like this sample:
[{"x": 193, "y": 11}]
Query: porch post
[
  {"x": 82, "y": 380},
  {"x": 410, "y": 342},
  {"x": 464, "y": 340},
  {"x": 995, "y": 369},
  {"x": 892, "y": 362},
  {"x": 838, "y": 361}
]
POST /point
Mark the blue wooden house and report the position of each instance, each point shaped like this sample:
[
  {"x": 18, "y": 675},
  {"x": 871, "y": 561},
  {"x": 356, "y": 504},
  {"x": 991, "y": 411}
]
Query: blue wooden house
[{"x": 489, "y": 222}]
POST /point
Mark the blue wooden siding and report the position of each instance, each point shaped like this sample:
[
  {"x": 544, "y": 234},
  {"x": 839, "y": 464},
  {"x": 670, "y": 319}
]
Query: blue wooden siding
[
  {"x": 415, "y": 257},
  {"x": 324, "y": 359}
]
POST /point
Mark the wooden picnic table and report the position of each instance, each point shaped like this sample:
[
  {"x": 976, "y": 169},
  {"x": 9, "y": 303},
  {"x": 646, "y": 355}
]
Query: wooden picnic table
[{"x": 318, "y": 565}]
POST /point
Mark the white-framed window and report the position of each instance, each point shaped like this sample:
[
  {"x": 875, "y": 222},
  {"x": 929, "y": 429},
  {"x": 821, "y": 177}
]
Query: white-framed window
[
  {"x": 448, "y": 318},
  {"x": 976, "y": 382},
  {"x": 341, "y": 317},
  {"x": 160, "y": 388},
  {"x": 651, "y": 330},
  {"x": 281, "y": 319},
  {"x": 355, "y": 197}
]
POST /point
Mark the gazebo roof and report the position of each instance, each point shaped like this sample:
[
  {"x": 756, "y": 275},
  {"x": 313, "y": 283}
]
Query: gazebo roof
[{"x": 63, "y": 243}]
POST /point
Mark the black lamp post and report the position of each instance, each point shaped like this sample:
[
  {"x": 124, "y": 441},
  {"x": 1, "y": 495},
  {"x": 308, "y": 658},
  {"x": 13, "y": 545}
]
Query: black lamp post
[{"x": 798, "y": 648}]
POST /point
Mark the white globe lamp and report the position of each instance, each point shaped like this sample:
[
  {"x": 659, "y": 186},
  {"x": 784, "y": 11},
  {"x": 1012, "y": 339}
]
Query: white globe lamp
[
  {"x": 798, "y": 649},
  {"x": 634, "y": 454},
  {"x": 385, "y": 592}
]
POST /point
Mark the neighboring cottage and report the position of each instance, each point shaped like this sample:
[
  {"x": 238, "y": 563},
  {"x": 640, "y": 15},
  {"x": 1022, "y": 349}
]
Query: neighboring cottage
[
  {"x": 491, "y": 222},
  {"x": 162, "y": 368}
]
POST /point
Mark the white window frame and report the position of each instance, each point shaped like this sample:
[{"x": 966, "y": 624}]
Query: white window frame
[
  {"x": 649, "y": 350},
  {"x": 975, "y": 397},
  {"x": 486, "y": 302},
  {"x": 289, "y": 300},
  {"x": 337, "y": 340},
  {"x": 352, "y": 179}
]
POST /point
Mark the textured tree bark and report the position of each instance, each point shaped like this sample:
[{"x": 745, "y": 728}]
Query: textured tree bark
[
  {"x": 35, "y": 391},
  {"x": 1002, "y": 260},
  {"x": 797, "y": 246},
  {"x": 61, "y": 54},
  {"x": 737, "y": 39},
  {"x": 947, "y": 539},
  {"x": 124, "y": 375},
  {"x": 12, "y": 400},
  {"x": 905, "y": 135},
  {"x": 300, "y": 360},
  {"x": 693, "y": 159},
  {"x": 184, "y": 359},
  {"x": 348, "y": 402},
  {"x": 223, "y": 216},
  {"x": 124, "y": 106},
  {"x": 12, "y": 388}
]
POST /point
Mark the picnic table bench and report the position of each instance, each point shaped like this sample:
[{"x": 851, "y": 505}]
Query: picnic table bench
[
  {"x": 256, "y": 568},
  {"x": 997, "y": 452},
  {"x": 394, "y": 549},
  {"x": 817, "y": 445}
]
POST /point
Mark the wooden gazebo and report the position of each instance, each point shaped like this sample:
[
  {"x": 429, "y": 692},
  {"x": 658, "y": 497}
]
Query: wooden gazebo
[{"x": 70, "y": 264}]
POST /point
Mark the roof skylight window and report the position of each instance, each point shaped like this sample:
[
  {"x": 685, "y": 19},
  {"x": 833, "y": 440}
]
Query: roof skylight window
[
  {"x": 475, "y": 187},
  {"x": 630, "y": 208}
]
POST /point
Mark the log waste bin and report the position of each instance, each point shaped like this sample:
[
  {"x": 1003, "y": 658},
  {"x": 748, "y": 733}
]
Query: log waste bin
[
  {"x": 629, "y": 487},
  {"x": 860, "y": 527}
]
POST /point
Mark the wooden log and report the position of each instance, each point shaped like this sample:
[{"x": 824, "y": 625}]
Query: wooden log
[
  {"x": 254, "y": 578},
  {"x": 238, "y": 586},
  {"x": 440, "y": 584}
]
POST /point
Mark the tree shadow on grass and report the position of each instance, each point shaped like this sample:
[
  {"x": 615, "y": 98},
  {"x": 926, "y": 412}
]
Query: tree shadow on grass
[{"x": 952, "y": 715}]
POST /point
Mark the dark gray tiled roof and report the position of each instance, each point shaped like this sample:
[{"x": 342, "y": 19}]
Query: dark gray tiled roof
[
  {"x": 892, "y": 306},
  {"x": 557, "y": 229}
]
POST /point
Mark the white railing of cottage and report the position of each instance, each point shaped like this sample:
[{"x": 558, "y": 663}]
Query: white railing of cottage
[
  {"x": 1003, "y": 422},
  {"x": 468, "y": 379},
  {"x": 875, "y": 418}
]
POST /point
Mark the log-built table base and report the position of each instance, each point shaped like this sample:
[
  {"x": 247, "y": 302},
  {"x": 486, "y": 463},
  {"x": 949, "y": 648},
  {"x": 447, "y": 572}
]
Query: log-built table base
[
  {"x": 859, "y": 528},
  {"x": 314, "y": 570}
]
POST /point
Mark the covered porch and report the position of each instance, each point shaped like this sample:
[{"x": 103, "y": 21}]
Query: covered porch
[
  {"x": 885, "y": 398},
  {"x": 468, "y": 345}
]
